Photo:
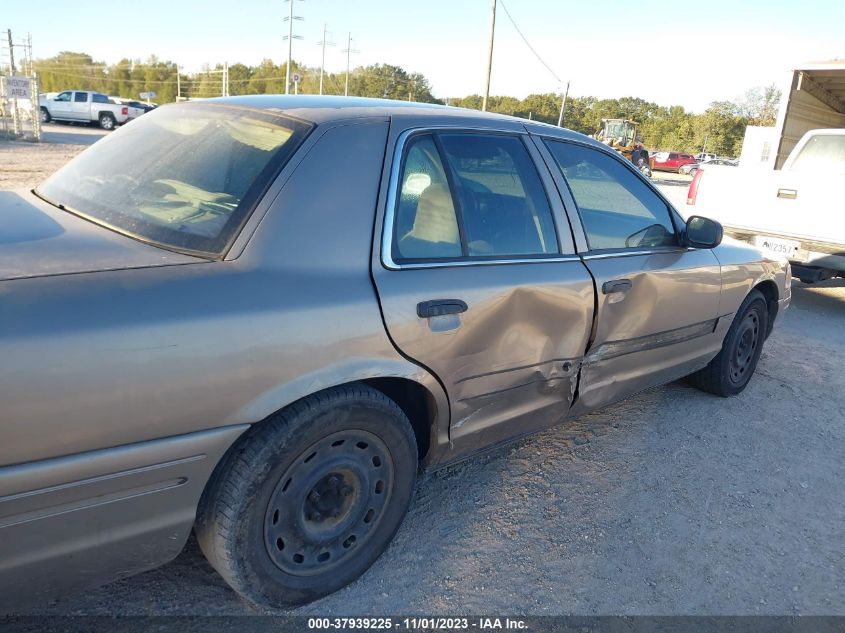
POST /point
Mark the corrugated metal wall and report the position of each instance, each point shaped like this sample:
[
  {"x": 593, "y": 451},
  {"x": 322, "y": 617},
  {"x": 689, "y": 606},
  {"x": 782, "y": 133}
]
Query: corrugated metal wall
[{"x": 804, "y": 112}]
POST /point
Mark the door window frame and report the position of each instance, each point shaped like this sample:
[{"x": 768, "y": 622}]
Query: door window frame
[
  {"x": 566, "y": 249},
  {"x": 571, "y": 206}
]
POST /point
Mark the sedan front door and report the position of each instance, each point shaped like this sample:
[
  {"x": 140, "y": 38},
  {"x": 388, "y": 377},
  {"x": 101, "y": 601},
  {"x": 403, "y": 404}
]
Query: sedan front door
[{"x": 657, "y": 300}]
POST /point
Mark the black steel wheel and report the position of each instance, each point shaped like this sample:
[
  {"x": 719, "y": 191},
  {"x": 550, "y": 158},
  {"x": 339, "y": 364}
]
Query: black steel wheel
[
  {"x": 729, "y": 373},
  {"x": 328, "y": 503},
  {"x": 744, "y": 350},
  {"x": 307, "y": 500}
]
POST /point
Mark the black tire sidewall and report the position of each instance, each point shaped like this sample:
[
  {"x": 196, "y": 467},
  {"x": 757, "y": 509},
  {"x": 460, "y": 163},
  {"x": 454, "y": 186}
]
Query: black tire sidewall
[
  {"x": 262, "y": 580},
  {"x": 754, "y": 301}
]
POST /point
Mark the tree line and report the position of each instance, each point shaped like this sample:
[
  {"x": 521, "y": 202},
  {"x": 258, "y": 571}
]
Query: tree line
[{"x": 720, "y": 128}]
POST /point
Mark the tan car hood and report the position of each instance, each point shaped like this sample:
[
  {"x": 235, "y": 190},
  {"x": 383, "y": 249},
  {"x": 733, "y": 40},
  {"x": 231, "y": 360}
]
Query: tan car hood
[{"x": 37, "y": 240}]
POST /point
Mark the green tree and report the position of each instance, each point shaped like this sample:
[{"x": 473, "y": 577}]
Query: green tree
[
  {"x": 266, "y": 78},
  {"x": 760, "y": 105}
]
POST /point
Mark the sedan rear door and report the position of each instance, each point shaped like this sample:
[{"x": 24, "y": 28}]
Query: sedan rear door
[{"x": 478, "y": 279}]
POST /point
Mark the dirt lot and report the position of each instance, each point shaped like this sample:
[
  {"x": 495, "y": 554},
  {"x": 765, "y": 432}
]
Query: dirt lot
[{"x": 672, "y": 502}]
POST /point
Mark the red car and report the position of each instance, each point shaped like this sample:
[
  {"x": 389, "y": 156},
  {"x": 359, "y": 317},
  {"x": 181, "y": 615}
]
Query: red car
[{"x": 671, "y": 161}]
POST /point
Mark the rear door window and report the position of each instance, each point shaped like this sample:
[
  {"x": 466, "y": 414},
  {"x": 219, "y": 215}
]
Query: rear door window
[
  {"x": 503, "y": 204},
  {"x": 80, "y": 97},
  {"x": 617, "y": 209},
  {"x": 470, "y": 196}
]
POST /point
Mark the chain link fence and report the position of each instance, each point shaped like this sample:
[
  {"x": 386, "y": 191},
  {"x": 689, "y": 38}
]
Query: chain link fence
[{"x": 20, "y": 114}]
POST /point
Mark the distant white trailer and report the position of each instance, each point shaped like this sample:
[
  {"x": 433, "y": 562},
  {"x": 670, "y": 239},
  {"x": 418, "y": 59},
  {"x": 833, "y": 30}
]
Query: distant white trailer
[{"x": 758, "y": 146}]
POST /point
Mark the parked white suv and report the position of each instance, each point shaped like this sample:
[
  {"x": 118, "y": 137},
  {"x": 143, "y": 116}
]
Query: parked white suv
[{"x": 83, "y": 106}]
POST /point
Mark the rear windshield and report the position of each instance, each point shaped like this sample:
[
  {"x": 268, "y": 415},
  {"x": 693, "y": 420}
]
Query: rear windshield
[
  {"x": 184, "y": 177},
  {"x": 823, "y": 152}
]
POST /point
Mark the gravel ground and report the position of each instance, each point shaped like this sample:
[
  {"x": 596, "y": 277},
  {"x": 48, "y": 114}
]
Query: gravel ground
[
  {"x": 24, "y": 164},
  {"x": 671, "y": 502}
]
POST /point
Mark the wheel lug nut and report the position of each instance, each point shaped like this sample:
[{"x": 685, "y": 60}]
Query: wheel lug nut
[
  {"x": 346, "y": 491},
  {"x": 316, "y": 516}
]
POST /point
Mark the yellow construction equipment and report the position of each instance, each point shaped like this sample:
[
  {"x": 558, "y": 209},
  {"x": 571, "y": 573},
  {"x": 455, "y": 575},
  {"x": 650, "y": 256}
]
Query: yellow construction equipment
[{"x": 623, "y": 135}]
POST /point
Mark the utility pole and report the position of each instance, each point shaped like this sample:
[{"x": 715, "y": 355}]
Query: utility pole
[
  {"x": 562, "y": 106},
  {"x": 11, "y": 52},
  {"x": 324, "y": 42},
  {"x": 290, "y": 37},
  {"x": 29, "y": 54},
  {"x": 348, "y": 50},
  {"x": 489, "y": 58},
  {"x": 178, "y": 85},
  {"x": 225, "y": 79}
]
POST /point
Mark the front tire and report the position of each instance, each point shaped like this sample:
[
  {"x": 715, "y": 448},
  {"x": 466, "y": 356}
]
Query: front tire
[
  {"x": 306, "y": 501},
  {"x": 729, "y": 373},
  {"x": 45, "y": 115}
]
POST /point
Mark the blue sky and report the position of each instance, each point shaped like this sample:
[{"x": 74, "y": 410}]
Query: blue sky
[{"x": 669, "y": 52}]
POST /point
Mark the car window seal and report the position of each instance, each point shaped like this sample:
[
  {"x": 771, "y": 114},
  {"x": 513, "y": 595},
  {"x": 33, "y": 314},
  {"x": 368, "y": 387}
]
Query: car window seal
[{"x": 105, "y": 225}]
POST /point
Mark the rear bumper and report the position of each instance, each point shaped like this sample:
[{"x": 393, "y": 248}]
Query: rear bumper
[
  {"x": 811, "y": 253},
  {"x": 90, "y": 518}
]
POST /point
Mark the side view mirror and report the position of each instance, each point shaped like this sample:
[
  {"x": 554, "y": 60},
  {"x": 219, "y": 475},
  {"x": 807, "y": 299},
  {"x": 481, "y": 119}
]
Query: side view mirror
[{"x": 703, "y": 232}]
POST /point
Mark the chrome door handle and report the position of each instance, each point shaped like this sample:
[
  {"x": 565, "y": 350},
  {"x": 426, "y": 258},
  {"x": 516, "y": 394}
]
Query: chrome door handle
[
  {"x": 789, "y": 194},
  {"x": 440, "y": 307},
  {"x": 617, "y": 285}
]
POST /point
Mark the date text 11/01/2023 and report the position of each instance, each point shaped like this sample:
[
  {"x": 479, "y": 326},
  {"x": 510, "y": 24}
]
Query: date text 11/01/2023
[{"x": 417, "y": 623}]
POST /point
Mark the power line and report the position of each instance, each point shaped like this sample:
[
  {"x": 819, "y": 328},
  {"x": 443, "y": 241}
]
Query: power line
[{"x": 528, "y": 44}]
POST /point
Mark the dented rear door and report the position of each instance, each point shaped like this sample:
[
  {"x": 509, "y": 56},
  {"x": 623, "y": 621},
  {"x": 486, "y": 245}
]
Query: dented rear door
[{"x": 495, "y": 303}]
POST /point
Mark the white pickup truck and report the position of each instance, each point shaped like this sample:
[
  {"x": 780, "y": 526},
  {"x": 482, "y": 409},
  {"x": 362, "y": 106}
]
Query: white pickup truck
[
  {"x": 795, "y": 212},
  {"x": 83, "y": 106}
]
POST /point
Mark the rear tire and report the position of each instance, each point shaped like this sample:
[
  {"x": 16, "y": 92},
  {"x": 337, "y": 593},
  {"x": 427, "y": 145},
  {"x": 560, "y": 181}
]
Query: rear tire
[
  {"x": 306, "y": 501},
  {"x": 107, "y": 121},
  {"x": 729, "y": 373}
]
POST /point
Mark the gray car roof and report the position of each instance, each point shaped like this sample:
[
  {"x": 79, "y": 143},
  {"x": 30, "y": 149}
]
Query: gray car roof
[{"x": 323, "y": 109}]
